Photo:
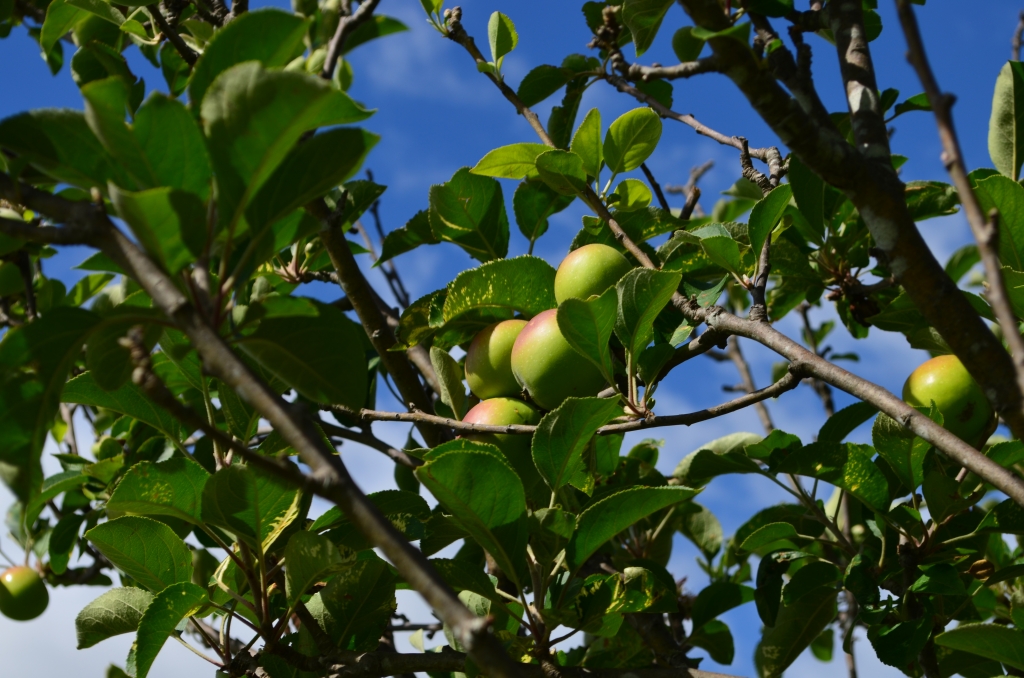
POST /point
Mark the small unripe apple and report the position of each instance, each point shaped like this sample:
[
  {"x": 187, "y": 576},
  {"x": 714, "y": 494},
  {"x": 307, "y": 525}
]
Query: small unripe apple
[
  {"x": 547, "y": 366},
  {"x": 489, "y": 361},
  {"x": 23, "y": 593},
  {"x": 966, "y": 412},
  {"x": 515, "y": 446},
  {"x": 589, "y": 270}
]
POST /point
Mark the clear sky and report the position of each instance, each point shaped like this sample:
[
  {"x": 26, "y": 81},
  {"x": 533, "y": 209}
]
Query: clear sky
[{"x": 437, "y": 114}]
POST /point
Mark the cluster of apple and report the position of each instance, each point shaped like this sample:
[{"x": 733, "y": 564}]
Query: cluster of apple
[{"x": 515, "y": 357}]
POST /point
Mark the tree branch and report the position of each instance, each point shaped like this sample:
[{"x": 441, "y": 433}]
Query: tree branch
[
  {"x": 186, "y": 52},
  {"x": 986, "y": 231},
  {"x": 346, "y": 24},
  {"x": 656, "y": 187},
  {"x": 359, "y": 292},
  {"x": 371, "y": 441},
  {"x": 787, "y": 383},
  {"x": 747, "y": 379}
]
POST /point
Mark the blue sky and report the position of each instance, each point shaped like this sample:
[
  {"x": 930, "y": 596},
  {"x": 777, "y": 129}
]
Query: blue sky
[{"x": 437, "y": 114}]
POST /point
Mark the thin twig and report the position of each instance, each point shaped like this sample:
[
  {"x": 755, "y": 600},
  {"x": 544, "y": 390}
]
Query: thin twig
[
  {"x": 655, "y": 186},
  {"x": 821, "y": 388},
  {"x": 787, "y": 383},
  {"x": 747, "y": 379},
  {"x": 986, "y": 231},
  {"x": 1016, "y": 42}
]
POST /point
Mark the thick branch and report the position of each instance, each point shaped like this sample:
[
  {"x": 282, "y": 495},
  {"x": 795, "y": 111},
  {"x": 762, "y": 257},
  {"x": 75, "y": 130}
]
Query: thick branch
[{"x": 986, "y": 231}]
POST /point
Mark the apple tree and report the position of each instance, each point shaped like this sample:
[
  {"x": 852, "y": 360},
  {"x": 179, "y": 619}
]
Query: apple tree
[{"x": 218, "y": 390}]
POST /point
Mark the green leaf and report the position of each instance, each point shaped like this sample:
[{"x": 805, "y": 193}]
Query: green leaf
[
  {"x": 699, "y": 525},
  {"x": 310, "y": 170},
  {"x": 642, "y": 294},
  {"x": 613, "y": 514},
  {"x": 542, "y": 82},
  {"x": 586, "y": 143},
  {"x": 685, "y": 45},
  {"x": 739, "y": 32},
  {"x": 631, "y": 139},
  {"x": 358, "y": 603},
  {"x": 270, "y": 36},
  {"x": 718, "y": 598},
  {"x": 846, "y": 465},
  {"x": 796, "y": 626},
  {"x": 115, "y": 612},
  {"x": 533, "y": 202},
  {"x": 53, "y": 487},
  {"x": 416, "y": 232},
  {"x": 515, "y": 161},
  {"x": 469, "y": 210},
  {"x": 843, "y": 422},
  {"x": 377, "y": 27},
  {"x": 588, "y": 327},
  {"x": 148, "y": 551},
  {"x": 86, "y": 288},
  {"x": 61, "y": 17},
  {"x": 486, "y": 497},
  {"x": 173, "y": 145},
  {"x": 643, "y": 18},
  {"x": 63, "y": 540},
  {"x": 170, "y": 488},
  {"x": 720, "y": 247},
  {"x": 939, "y": 579},
  {"x": 719, "y": 457},
  {"x": 918, "y": 102},
  {"x": 768, "y": 534},
  {"x": 308, "y": 558},
  {"x": 253, "y": 505},
  {"x": 60, "y": 143},
  {"x": 809, "y": 192},
  {"x": 808, "y": 578},
  {"x": 169, "y": 223},
  {"x": 928, "y": 199},
  {"x": 1006, "y": 126},
  {"x": 166, "y": 612},
  {"x": 716, "y": 638},
  {"x": 523, "y": 284},
  {"x": 633, "y": 195},
  {"x": 564, "y": 434},
  {"x": 501, "y": 36},
  {"x": 991, "y": 641},
  {"x": 449, "y": 376},
  {"x": 129, "y": 400},
  {"x": 904, "y": 451},
  {"x": 29, "y": 402},
  {"x": 562, "y": 171},
  {"x": 962, "y": 261},
  {"x": 463, "y": 576},
  {"x": 766, "y": 215},
  {"x": 1007, "y": 196},
  {"x": 312, "y": 347},
  {"x": 253, "y": 117}
]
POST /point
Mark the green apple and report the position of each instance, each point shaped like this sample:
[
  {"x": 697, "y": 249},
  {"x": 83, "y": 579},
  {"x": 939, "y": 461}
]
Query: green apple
[
  {"x": 489, "y": 361},
  {"x": 589, "y": 270},
  {"x": 547, "y": 366},
  {"x": 23, "y": 593},
  {"x": 515, "y": 446},
  {"x": 966, "y": 411}
]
